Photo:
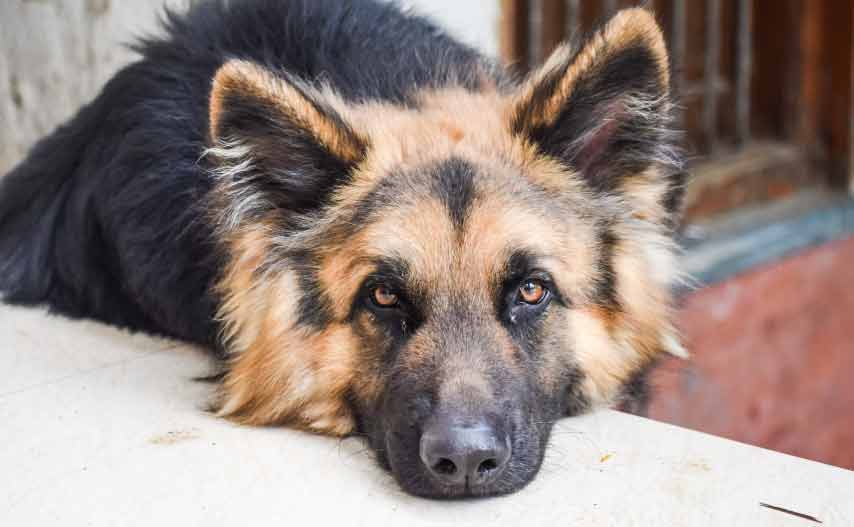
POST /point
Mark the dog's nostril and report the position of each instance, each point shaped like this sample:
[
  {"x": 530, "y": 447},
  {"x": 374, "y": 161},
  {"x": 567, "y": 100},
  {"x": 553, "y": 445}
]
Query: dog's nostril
[
  {"x": 445, "y": 466},
  {"x": 487, "y": 466},
  {"x": 464, "y": 456}
]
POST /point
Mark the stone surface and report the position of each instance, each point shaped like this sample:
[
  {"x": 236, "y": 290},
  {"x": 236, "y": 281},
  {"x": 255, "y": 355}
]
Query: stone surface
[
  {"x": 55, "y": 55},
  {"x": 103, "y": 428},
  {"x": 772, "y": 358}
]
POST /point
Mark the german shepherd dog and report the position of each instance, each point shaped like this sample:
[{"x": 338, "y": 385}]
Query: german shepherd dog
[{"x": 377, "y": 230}]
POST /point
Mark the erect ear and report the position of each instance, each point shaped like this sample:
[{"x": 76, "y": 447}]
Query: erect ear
[
  {"x": 603, "y": 110},
  {"x": 277, "y": 141}
]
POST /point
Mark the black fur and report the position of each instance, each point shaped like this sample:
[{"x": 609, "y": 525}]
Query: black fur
[
  {"x": 673, "y": 198},
  {"x": 103, "y": 218},
  {"x": 114, "y": 216},
  {"x": 637, "y": 392},
  {"x": 624, "y": 141},
  {"x": 453, "y": 184},
  {"x": 631, "y": 146},
  {"x": 313, "y": 307},
  {"x": 290, "y": 168},
  {"x": 606, "y": 283}
]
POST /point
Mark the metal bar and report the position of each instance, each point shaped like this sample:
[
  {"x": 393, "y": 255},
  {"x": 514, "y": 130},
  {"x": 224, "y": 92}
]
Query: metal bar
[
  {"x": 609, "y": 7},
  {"x": 710, "y": 73},
  {"x": 677, "y": 49},
  {"x": 513, "y": 33},
  {"x": 573, "y": 18},
  {"x": 744, "y": 67},
  {"x": 535, "y": 33}
]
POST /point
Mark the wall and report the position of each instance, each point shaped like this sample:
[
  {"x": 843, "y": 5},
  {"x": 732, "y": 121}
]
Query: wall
[
  {"x": 771, "y": 358},
  {"x": 55, "y": 55},
  {"x": 475, "y": 22}
]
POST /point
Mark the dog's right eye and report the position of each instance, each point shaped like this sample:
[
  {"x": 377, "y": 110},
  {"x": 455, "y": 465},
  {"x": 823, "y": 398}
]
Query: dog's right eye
[
  {"x": 384, "y": 297},
  {"x": 532, "y": 292}
]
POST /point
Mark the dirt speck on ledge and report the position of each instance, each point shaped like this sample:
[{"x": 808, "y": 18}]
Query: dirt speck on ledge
[{"x": 174, "y": 436}]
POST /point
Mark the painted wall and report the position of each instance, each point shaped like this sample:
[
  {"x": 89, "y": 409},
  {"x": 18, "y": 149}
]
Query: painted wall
[
  {"x": 475, "y": 22},
  {"x": 771, "y": 358}
]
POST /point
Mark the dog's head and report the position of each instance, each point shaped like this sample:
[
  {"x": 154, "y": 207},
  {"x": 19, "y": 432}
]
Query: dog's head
[{"x": 451, "y": 276}]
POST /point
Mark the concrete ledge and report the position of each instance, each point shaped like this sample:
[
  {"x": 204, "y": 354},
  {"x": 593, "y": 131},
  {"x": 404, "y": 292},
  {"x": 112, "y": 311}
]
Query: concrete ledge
[
  {"x": 103, "y": 428},
  {"x": 737, "y": 242}
]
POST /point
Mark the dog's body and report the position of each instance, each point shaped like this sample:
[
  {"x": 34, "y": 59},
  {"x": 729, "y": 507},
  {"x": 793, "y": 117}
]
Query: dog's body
[{"x": 375, "y": 228}]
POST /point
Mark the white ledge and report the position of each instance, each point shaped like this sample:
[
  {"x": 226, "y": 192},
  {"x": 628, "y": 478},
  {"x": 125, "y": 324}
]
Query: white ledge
[{"x": 98, "y": 427}]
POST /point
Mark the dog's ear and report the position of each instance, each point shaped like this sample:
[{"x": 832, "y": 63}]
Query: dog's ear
[
  {"x": 277, "y": 139},
  {"x": 602, "y": 110}
]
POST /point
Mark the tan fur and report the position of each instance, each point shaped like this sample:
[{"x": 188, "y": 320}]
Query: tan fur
[
  {"x": 629, "y": 27},
  {"x": 496, "y": 225},
  {"x": 284, "y": 373},
  {"x": 643, "y": 192},
  {"x": 288, "y": 376},
  {"x": 405, "y": 137},
  {"x": 279, "y": 373},
  {"x": 242, "y": 298},
  {"x": 609, "y": 345},
  {"x": 239, "y": 76}
]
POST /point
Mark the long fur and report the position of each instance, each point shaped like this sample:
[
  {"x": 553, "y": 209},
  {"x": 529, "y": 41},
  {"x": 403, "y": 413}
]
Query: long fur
[{"x": 268, "y": 166}]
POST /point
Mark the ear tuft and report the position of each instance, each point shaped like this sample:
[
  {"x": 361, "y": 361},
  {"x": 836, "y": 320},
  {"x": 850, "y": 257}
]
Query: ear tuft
[
  {"x": 277, "y": 142},
  {"x": 243, "y": 91},
  {"x": 603, "y": 110},
  {"x": 540, "y": 101}
]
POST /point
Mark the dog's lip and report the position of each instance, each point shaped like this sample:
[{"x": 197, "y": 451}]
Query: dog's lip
[{"x": 389, "y": 451}]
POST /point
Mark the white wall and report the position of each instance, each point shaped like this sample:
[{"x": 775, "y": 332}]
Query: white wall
[
  {"x": 475, "y": 22},
  {"x": 55, "y": 55}
]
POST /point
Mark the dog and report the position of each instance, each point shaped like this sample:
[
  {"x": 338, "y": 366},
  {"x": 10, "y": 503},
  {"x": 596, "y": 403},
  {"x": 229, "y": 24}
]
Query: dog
[{"x": 375, "y": 229}]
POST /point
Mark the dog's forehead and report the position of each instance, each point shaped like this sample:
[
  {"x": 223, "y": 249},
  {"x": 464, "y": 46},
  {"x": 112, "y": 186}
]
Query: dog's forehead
[{"x": 458, "y": 219}]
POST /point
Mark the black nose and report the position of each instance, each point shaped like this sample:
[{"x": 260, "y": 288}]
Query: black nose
[{"x": 464, "y": 456}]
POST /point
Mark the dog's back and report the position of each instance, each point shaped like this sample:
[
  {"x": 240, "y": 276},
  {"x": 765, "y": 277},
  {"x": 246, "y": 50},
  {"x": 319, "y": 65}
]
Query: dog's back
[{"x": 106, "y": 216}]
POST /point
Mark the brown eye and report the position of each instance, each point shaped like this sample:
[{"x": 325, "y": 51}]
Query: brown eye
[
  {"x": 532, "y": 292},
  {"x": 383, "y": 297}
]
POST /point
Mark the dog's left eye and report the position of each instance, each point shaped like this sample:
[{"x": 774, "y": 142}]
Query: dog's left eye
[
  {"x": 532, "y": 292},
  {"x": 384, "y": 297}
]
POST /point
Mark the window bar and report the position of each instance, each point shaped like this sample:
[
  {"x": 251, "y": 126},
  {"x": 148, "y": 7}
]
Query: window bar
[
  {"x": 677, "y": 50},
  {"x": 710, "y": 73},
  {"x": 744, "y": 48},
  {"x": 573, "y": 18},
  {"x": 609, "y": 7},
  {"x": 851, "y": 125},
  {"x": 535, "y": 33}
]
